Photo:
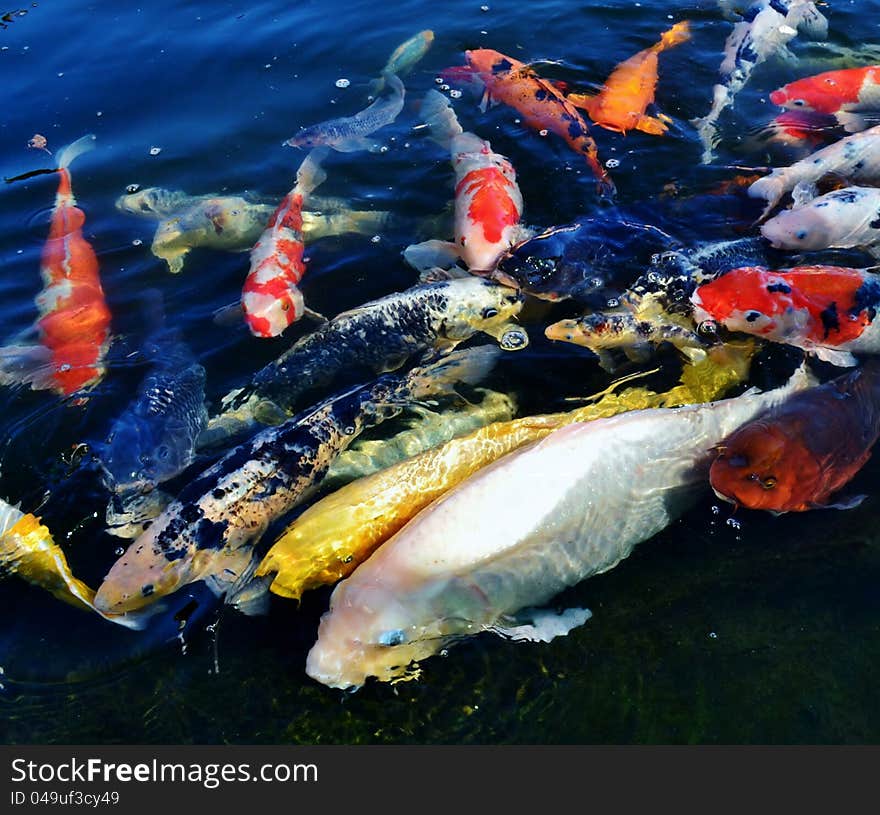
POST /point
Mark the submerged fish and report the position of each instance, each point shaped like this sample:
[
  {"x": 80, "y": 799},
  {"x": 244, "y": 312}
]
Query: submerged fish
[
  {"x": 74, "y": 322},
  {"x": 488, "y": 202},
  {"x": 373, "y": 338},
  {"x": 828, "y": 311},
  {"x": 404, "y": 58},
  {"x": 475, "y": 560},
  {"x": 426, "y": 429},
  {"x": 350, "y": 133},
  {"x": 153, "y": 439},
  {"x": 583, "y": 260},
  {"x": 798, "y": 455},
  {"x": 842, "y": 219},
  {"x": 209, "y": 530},
  {"x": 541, "y": 105},
  {"x": 855, "y": 158},
  {"x": 334, "y": 535},
  {"x": 766, "y": 28},
  {"x": 623, "y": 101},
  {"x": 229, "y": 224},
  {"x": 270, "y": 298},
  {"x": 234, "y": 223},
  {"x": 799, "y": 129}
]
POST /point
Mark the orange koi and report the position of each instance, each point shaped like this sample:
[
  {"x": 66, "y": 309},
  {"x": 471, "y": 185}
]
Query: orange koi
[
  {"x": 622, "y": 103},
  {"x": 270, "y": 298},
  {"x": 541, "y": 104},
  {"x": 828, "y": 311},
  {"x": 74, "y": 322},
  {"x": 795, "y": 456}
]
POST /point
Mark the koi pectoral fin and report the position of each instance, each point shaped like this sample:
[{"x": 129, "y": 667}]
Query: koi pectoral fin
[
  {"x": 845, "y": 503},
  {"x": 544, "y": 624},
  {"x": 351, "y": 144},
  {"x": 429, "y": 255}
]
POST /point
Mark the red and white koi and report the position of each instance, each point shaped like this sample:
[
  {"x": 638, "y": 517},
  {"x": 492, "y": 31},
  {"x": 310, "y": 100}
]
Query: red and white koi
[
  {"x": 488, "y": 201},
  {"x": 271, "y": 299},
  {"x": 844, "y": 94},
  {"x": 74, "y": 322},
  {"x": 829, "y": 311}
]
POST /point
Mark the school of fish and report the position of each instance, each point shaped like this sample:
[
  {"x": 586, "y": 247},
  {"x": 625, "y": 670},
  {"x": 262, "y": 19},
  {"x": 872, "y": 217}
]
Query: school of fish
[{"x": 379, "y": 453}]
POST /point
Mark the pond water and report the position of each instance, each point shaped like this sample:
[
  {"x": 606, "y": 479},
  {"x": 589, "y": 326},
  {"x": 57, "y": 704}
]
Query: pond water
[{"x": 722, "y": 629}]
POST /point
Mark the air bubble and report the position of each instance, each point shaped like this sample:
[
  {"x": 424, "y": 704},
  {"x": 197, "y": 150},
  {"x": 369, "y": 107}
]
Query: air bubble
[
  {"x": 733, "y": 523},
  {"x": 715, "y": 510},
  {"x": 136, "y": 242},
  {"x": 119, "y": 550},
  {"x": 455, "y": 93},
  {"x": 375, "y": 239},
  {"x": 543, "y": 132},
  {"x": 612, "y": 163},
  {"x": 132, "y": 188},
  {"x": 154, "y": 151},
  {"x": 342, "y": 83}
]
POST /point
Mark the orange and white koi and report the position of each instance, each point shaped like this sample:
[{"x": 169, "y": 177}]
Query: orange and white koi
[
  {"x": 74, "y": 322},
  {"x": 271, "y": 299},
  {"x": 622, "y": 102},
  {"x": 541, "y": 104},
  {"x": 844, "y": 93},
  {"x": 488, "y": 201},
  {"x": 829, "y": 311}
]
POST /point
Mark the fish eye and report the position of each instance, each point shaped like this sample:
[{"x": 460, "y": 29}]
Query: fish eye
[
  {"x": 799, "y": 102},
  {"x": 395, "y": 637},
  {"x": 801, "y": 234},
  {"x": 708, "y": 327},
  {"x": 769, "y": 482},
  {"x": 163, "y": 452},
  {"x": 489, "y": 313}
]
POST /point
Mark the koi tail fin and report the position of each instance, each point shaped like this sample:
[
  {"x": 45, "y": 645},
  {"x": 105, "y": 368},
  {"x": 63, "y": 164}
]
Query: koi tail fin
[
  {"x": 467, "y": 365},
  {"x": 679, "y": 33},
  {"x": 311, "y": 174},
  {"x": 74, "y": 149},
  {"x": 439, "y": 116},
  {"x": 27, "y": 365},
  {"x": 584, "y": 101}
]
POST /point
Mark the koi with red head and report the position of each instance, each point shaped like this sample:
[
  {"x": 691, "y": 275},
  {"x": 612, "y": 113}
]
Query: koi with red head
[
  {"x": 828, "y": 311},
  {"x": 797, "y": 455}
]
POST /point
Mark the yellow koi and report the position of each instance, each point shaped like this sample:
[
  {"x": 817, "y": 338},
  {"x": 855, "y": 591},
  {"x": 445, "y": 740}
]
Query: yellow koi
[{"x": 327, "y": 541}]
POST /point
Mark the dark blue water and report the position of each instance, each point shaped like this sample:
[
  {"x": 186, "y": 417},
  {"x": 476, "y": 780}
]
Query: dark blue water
[{"x": 708, "y": 633}]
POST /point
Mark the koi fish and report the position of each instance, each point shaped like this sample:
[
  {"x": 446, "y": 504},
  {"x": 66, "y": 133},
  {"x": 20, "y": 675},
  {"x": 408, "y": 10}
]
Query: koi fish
[
  {"x": 840, "y": 219},
  {"x": 488, "y": 202},
  {"x": 426, "y": 429},
  {"x": 153, "y": 439},
  {"x": 623, "y": 101},
  {"x": 271, "y": 299},
  {"x": 209, "y": 530},
  {"x": 404, "y": 58},
  {"x": 584, "y": 260},
  {"x": 855, "y": 158},
  {"x": 586, "y": 495},
  {"x": 541, "y": 105},
  {"x": 797, "y": 455},
  {"x": 74, "y": 322},
  {"x": 634, "y": 332},
  {"x": 828, "y": 311},
  {"x": 348, "y": 134},
  {"x": 327, "y": 541},
  {"x": 234, "y": 223},
  {"x": 797, "y": 129},
  {"x": 766, "y": 28},
  {"x": 373, "y": 338},
  {"x": 843, "y": 93},
  {"x": 28, "y": 550}
]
